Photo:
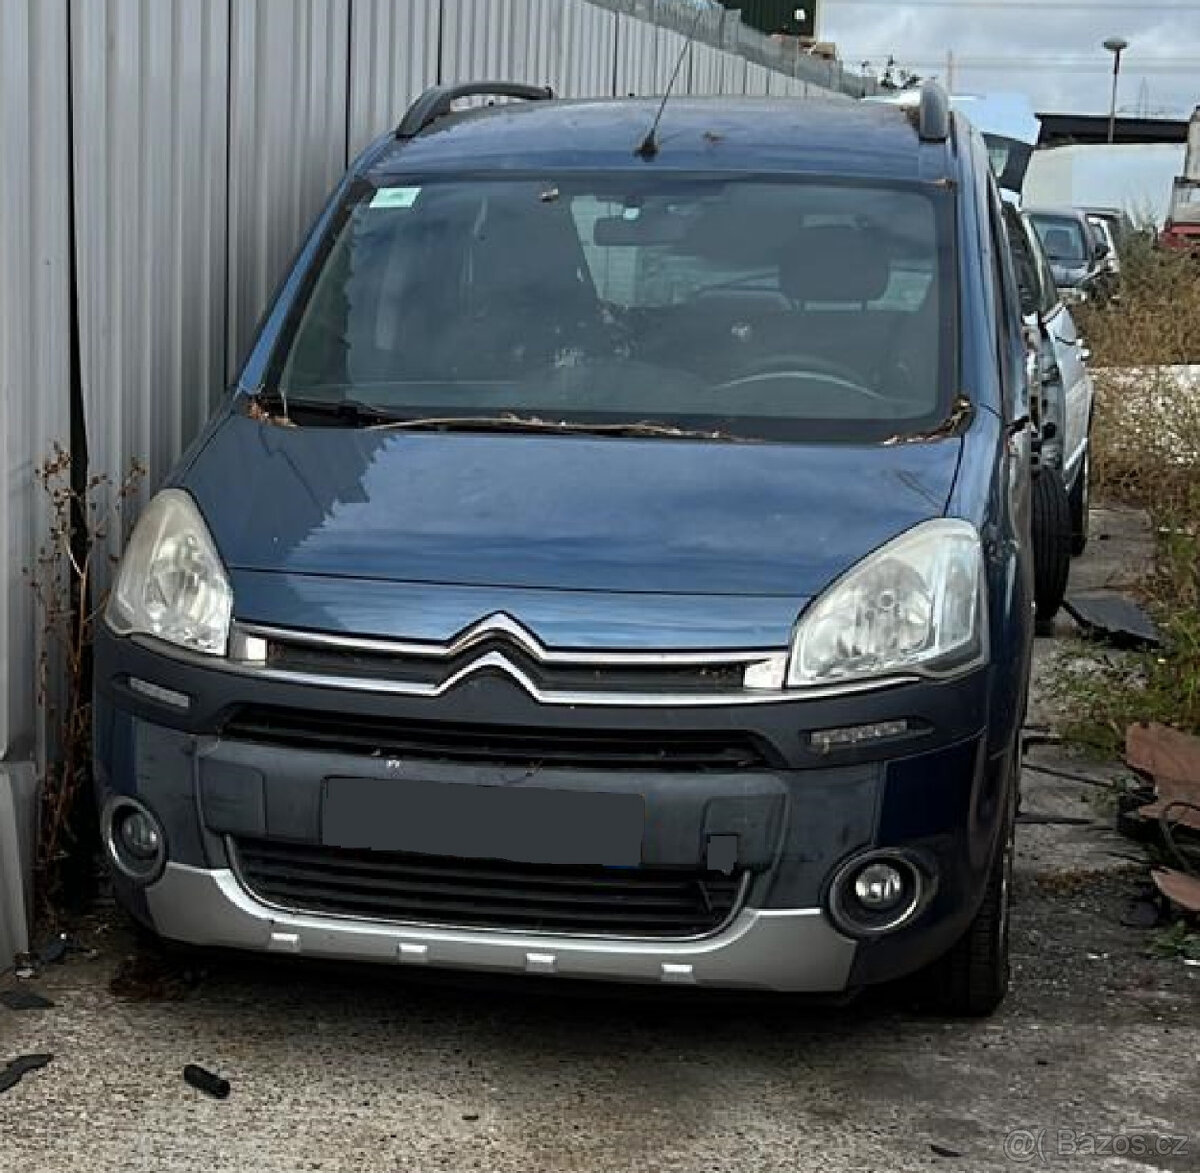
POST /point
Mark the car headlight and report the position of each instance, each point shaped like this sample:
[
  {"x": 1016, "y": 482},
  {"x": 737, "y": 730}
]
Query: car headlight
[
  {"x": 171, "y": 583},
  {"x": 914, "y": 605}
]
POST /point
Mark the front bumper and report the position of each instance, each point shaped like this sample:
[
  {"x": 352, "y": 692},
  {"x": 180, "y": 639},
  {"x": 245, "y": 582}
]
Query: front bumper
[
  {"x": 791, "y": 949},
  {"x": 798, "y": 816}
]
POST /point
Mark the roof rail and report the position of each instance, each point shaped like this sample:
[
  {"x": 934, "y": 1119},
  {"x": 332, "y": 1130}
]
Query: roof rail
[
  {"x": 438, "y": 101},
  {"x": 933, "y": 123}
]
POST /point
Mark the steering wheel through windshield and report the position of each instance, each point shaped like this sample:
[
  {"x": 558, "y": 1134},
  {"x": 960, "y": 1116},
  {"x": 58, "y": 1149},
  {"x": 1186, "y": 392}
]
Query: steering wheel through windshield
[{"x": 803, "y": 366}]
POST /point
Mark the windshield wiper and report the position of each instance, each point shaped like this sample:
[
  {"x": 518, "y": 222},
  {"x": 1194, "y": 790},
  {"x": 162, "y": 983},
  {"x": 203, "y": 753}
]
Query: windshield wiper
[
  {"x": 518, "y": 423},
  {"x": 347, "y": 413}
]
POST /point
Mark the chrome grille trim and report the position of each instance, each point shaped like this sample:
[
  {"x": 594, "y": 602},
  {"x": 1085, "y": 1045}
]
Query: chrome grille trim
[
  {"x": 257, "y": 641},
  {"x": 497, "y": 663},
  {"x": 500, "y": 627}
]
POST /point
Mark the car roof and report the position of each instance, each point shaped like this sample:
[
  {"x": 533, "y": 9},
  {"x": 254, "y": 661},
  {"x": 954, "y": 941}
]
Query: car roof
[
  {"x": 1062, "y": 213},
  {"x": 809, "y": 136}
]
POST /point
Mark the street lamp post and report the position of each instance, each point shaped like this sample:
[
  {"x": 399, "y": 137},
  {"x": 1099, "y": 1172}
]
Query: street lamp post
[{"x": 1116, "y": 46}]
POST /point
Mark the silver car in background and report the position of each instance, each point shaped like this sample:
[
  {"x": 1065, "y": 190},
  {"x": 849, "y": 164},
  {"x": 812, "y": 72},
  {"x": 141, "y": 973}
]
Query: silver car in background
[
  {"x": 1076, "y": 251},
  {"x": 1063, "y": 415}
]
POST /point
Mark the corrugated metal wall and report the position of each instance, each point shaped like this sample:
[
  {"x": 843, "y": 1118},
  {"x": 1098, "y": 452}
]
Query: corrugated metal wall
[
  {"x": 394, "y": 48},
  {"x": 150, "y": 146},
  {"x": 288, "y": 118},
  {"x": 35, "y": 375},
  {"x": 188, "y": 144},
  {"x": 584, "y": 49}
]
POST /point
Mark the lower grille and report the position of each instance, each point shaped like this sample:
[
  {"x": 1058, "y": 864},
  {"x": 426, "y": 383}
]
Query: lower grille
[
  {"x": 687, "y": 749},
  {"x": 490, "y": 894}
]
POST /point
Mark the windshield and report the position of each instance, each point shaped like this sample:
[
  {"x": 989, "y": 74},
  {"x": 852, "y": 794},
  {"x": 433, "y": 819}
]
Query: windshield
[
  {"x": 756, "y": 309},
  {"x": 1062, "y": 238}
]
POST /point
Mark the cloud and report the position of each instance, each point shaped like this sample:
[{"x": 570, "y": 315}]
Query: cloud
[{"x": 1053, "y": 54}]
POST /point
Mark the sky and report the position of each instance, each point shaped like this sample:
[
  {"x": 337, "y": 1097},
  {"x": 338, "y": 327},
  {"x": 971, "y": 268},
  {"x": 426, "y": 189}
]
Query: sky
[{"x": 1052, "y": 50}]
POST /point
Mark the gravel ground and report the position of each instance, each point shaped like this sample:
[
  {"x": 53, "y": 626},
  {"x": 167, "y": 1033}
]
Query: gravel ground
[{"x": 1092, "y": 1063}]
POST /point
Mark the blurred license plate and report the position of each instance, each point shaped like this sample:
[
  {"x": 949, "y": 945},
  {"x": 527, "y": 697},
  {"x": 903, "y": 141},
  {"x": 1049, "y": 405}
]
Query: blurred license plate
[{"x": 524, "y": 824}]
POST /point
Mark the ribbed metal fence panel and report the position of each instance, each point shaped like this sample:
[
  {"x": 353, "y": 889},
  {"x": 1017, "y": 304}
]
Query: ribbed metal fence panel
[
  {"x": 150, "y": 211},
  {"x": 34, "y": 396},
  {"x": 477, "y": 39},
  {"x": 34, "y": 325},
  {"x": 289, "y": 62},
  {"x": 535, "y": 42},
  {"x": 393, "y": 58},
  {"x": 585, "y": 47},
  {"x": 734, "y": 80},
  {"x": 758, "y": 79},
  {"x": 673, "y": 53},
  {"x": 636, "y": 58},
  {"x": 708, "y": 70}
]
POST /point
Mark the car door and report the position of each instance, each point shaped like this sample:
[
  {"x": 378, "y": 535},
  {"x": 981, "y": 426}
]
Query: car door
[
  {"x": 1070, "y": 355},
  {"x": 1045, "y": 381}
]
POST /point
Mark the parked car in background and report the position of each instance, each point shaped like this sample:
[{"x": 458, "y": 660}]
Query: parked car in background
[
  {"x": 1076, "y": 252},
  {"x": 1112, "y": 259},
  {"x": 1120, "y": 226},
  {"x": 1063, "y": 417},
  {"x": 613, "y": 561}
]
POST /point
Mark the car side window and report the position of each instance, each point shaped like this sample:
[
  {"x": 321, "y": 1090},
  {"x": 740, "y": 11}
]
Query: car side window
[
  {"x": 1029, "y": 285},
  {"x": 1009, "y": 336},
  {"x": 1050, "y": 297}
]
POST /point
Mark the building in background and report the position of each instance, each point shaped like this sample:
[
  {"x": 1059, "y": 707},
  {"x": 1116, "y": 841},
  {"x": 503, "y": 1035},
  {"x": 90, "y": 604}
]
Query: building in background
[{"x": 1135, "y": 177}]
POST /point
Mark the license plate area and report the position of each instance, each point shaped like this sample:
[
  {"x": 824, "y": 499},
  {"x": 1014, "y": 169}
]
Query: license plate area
[{"x": 522, "y": 824}]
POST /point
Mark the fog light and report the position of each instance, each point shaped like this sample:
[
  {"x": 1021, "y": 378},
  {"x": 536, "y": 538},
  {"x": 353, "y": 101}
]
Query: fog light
[
  {"x": 134, "y": 839},
  {"x": 880, "y": 891},
  {"x": 138, "y": 835},
  {"x": 879, "y": 887}
]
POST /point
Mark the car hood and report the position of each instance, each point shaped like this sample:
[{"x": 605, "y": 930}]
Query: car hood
[{"x": 555, "y": 513}]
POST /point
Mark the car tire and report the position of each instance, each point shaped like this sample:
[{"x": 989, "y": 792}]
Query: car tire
[
  {"x": 1080, "y": 499},
  {"x": 1051, "y": 542},
  {"x": 971, "y": 980}
]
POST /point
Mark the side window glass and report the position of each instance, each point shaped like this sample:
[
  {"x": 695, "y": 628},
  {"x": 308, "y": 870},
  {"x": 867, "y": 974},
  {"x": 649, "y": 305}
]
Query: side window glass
[
  {"x": 1049, "y": 287},
  {"x": 1009, "y": 335},
  {"x": 1028, "y": 279}
]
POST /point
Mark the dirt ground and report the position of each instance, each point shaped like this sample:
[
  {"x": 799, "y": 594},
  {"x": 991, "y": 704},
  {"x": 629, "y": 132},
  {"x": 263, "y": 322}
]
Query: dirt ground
[{"x": 1093, "y": 1063}]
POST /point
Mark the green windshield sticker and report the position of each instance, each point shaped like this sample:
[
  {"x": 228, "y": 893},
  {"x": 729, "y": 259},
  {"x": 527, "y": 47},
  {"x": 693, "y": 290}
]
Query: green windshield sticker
[{"x": 395, "y": 197}]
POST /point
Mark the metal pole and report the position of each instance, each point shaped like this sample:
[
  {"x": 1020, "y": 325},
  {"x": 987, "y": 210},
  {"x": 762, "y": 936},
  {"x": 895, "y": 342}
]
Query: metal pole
[
  {"x": 1116, "y": 46},
  {"x": 1112, "y": 106}
]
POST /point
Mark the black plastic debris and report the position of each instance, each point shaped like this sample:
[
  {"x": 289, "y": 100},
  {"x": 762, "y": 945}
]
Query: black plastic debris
[
  {"x": 943, "y": 1150},
  {"x": 206, "y": 1082},
  {"x": 1112, "y": 617},
  {"x": 12, "y": 1075},
  {"x": 24, "y": 1000}
]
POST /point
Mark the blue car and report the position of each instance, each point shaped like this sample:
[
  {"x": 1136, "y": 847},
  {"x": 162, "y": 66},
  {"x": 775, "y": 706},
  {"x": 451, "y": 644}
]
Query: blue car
[{"x": 612, "y": 562}]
